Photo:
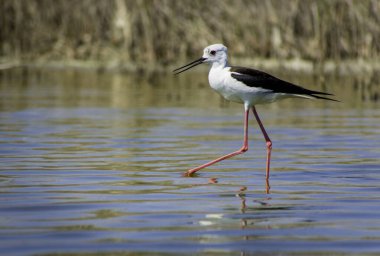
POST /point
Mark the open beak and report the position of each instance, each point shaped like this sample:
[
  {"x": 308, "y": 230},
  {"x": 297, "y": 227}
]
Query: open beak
[{"x": 189, "y": 66}]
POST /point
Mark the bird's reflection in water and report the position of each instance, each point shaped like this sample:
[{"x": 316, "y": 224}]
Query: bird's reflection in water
[{"x": 243, "y": 206}]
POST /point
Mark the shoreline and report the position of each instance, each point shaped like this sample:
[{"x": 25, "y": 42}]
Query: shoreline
[{"x": 342, "y": 67}]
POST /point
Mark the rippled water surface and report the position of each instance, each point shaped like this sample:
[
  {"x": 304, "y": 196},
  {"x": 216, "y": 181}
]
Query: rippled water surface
[{"x": 93, "y": 163}]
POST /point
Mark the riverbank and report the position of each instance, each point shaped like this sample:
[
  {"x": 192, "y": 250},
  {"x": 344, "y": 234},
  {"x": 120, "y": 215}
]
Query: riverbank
[{"x": 353, "y": 67}]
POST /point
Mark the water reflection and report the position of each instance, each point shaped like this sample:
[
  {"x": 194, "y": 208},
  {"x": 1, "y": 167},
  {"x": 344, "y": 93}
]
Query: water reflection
[
  {"x": 94, "y": 160},
  {"x": 132, "y": 91}
]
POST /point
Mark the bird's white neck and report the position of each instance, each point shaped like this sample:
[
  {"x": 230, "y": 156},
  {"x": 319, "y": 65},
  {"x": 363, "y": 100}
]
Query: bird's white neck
[{"x": 219, "y": 64}]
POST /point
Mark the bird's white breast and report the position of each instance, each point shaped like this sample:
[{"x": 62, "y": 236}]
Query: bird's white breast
[{"x": 220, "y": 80}]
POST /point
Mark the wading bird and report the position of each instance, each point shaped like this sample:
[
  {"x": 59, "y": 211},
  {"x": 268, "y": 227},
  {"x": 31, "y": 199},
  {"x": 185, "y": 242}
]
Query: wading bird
[{"x": 249, "y": 87}]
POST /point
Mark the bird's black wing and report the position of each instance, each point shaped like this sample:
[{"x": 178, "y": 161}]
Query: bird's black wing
[{"x": 256, "y": 78}]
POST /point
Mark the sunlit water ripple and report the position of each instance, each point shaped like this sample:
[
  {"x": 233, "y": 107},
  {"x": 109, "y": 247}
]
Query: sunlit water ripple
[{"x": 101, "y": 178}]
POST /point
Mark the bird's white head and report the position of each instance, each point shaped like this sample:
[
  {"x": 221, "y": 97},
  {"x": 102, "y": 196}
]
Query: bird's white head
[{"x": 215, "y": 54}]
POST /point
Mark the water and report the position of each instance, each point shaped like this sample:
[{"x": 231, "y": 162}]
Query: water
[{"x": 92, "y": 162}]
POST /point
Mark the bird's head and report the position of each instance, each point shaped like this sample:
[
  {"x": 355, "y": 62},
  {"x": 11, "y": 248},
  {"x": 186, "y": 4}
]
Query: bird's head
[{"x": 215, "y": 53}]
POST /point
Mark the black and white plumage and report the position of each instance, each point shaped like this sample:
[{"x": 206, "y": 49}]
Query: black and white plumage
[
  {"x": 249, "y": 87},
  {"x": 256, "y": 78}
]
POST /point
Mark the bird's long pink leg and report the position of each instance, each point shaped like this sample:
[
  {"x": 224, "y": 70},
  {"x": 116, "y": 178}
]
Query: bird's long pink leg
[
  {"x": 268, "y": 142},
  {"x": 243, "y": 149}
]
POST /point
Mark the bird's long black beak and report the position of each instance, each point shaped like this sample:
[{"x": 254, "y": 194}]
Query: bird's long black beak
[{"x": 188, "y": 66}]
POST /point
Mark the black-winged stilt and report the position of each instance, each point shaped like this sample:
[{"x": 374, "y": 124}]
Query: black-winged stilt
[{"x": 249, "y": 87}]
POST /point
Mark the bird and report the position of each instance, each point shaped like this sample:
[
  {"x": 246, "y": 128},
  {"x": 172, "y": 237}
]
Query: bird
[{"x": 249, "y": 87}]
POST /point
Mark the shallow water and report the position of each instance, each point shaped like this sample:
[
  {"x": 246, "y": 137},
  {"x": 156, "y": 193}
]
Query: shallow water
[{"x": 92, "y": 162}]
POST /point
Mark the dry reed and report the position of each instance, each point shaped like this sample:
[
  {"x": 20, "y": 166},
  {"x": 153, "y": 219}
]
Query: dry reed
[{"x": 167, "y": 31}]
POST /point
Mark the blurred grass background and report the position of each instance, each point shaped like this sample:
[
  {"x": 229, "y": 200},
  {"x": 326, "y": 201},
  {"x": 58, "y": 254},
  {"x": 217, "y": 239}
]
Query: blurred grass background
[{"x": 169, "y": 32}]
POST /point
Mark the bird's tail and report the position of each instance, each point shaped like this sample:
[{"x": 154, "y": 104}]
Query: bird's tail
[
  {"x": 320, "y": 95},
  {"x": 323, "y": 98},
  {"x": 317, "y": 95}
]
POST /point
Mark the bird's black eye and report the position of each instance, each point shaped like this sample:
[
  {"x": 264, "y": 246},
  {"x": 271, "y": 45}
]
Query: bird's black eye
[{"x": 212, "y": 52}]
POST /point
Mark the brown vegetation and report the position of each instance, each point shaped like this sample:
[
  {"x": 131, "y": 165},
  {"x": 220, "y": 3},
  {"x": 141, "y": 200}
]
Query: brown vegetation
[{"x": 152, "y": 31}]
